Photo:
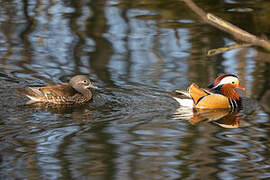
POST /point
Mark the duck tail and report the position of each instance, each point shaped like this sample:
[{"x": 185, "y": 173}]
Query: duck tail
[
  {"x": 182, "y": 97},
  {"x": 196, "y": 93},
  {"x": 32, "y": 93}
]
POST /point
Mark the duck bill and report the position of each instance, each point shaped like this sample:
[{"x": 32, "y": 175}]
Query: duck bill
[
  {"x": 240, "y": 87},
  {"x": 92, "y": 86}
]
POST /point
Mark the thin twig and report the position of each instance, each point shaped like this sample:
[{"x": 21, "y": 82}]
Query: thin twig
[{"x": 213, "y": 52}]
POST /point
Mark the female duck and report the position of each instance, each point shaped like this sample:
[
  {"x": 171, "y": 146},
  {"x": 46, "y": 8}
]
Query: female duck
[{"x": 75, "y": 92}]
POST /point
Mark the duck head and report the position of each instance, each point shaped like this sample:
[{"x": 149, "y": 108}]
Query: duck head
[
  {"x": 81, "y": 82},
  {"x": 229, "y": 80},
  {"x": 226, "y": 85}
]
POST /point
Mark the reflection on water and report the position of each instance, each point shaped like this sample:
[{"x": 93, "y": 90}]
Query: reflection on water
[
  {"x": 135, "y": 52},
  {"x": 222, "y": 117}
]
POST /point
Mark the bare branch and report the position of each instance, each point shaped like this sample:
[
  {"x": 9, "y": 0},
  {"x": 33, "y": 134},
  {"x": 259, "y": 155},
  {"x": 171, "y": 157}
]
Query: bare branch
[{"x": 223, "y": 25}]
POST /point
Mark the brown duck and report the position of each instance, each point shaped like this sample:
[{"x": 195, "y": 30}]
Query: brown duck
[{"x": 75, "y": 92}]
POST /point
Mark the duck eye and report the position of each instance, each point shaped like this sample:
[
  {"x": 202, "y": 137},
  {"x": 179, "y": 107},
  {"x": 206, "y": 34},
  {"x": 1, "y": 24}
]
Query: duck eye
[
  {"x": 84, "y": 81},
  {"x": 233, "y": 82}
]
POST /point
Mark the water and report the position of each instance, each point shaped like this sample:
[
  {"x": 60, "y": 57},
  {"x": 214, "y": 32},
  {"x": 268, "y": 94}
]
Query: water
[{"x": 135, "y": 52}]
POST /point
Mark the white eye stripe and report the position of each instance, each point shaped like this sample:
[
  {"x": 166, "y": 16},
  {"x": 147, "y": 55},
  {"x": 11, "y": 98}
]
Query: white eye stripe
[{"x": 228, "y": 80}]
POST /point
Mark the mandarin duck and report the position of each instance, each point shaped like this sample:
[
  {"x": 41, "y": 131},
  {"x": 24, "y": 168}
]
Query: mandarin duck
[
  {"x": 75, "y": 92},
  {"x": 220, "y": 94}
]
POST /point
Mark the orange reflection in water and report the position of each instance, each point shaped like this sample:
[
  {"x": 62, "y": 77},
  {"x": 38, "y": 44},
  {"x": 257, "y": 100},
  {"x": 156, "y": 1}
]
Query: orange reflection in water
[{"x": 225, "y": 118}]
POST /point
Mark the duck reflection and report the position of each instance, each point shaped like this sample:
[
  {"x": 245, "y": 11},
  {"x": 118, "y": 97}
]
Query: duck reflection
[
  {"x": 225, "y": 118},
  {"x": 56, "y": 108},
  {"x": 82, "y": 113}
]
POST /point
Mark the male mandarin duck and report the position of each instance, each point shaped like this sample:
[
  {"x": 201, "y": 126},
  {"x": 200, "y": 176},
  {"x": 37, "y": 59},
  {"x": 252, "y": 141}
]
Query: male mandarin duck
[
  {"x": 220, "y": 94},
  {"x": 75, "y": 92}
]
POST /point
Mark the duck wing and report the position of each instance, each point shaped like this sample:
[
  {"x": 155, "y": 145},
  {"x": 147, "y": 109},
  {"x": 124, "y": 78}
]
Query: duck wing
[
  {"x": 44, "y": 93},
  {"x": 61, "y": 89},
  {"x": 206, "y": 99},
  {"x": 197, "y": 93}
]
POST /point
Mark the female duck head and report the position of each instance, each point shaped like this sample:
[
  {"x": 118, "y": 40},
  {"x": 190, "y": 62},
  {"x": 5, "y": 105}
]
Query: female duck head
[{"x": 81, "y": 82}]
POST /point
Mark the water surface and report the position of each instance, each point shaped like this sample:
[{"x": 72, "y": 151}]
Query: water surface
[{"x": 135, "y": 52}]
